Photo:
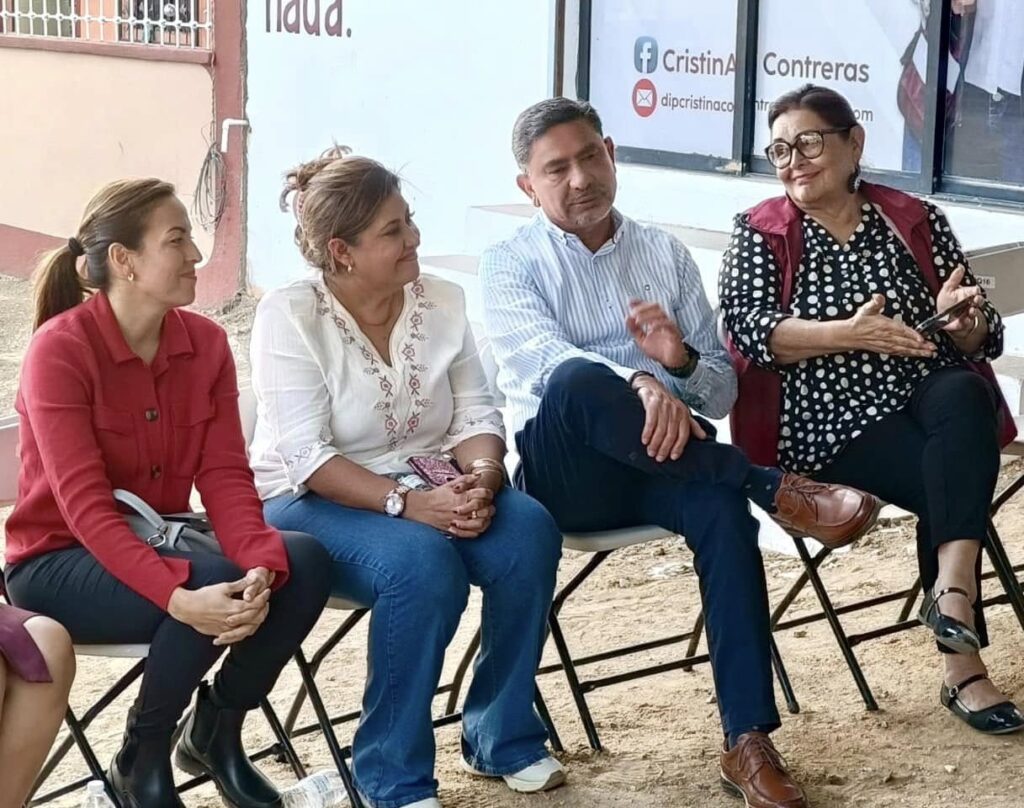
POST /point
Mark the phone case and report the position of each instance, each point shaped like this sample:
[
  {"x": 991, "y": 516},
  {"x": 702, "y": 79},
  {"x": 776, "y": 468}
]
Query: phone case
[
  {"x": 437, "y": 471},
  {"x": 934, "y": 323}
]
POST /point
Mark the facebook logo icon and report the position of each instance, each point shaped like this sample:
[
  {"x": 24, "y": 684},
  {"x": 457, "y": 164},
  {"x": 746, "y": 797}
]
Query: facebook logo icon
[{"x": 645, "y": 54}]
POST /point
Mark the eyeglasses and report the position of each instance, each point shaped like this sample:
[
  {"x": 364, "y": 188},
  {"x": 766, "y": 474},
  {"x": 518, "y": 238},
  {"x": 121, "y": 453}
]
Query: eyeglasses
[{"x": 810, "y": 144}]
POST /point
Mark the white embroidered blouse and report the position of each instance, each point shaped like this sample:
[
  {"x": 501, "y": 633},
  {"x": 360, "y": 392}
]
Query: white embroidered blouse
[{"x": 323, "y": 390}]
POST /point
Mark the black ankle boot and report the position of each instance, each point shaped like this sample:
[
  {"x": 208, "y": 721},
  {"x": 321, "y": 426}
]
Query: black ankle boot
[
  {"x": 212, "y": 744},
  {"x": 141, "y": 773}
]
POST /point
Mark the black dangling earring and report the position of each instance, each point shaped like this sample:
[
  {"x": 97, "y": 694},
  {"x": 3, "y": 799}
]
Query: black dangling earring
[{"x": 853, "y": 184}]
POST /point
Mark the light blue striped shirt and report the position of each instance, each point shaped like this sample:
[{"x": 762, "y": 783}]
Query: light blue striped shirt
[{"x": 548, "y": 298}]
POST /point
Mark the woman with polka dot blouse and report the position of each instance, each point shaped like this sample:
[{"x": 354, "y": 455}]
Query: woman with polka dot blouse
[{"x": 822, "y": 290}]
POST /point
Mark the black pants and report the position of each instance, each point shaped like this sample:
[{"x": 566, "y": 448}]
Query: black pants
[
  {"x": 937, "y": 458},
  {"x": 73, "y": 588},
  {"x": 583, "y": 459}
]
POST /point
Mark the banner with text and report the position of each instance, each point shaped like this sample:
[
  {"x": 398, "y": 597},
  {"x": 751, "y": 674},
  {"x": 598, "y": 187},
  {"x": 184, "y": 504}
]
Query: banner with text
[{"x": 662, "y": 74}]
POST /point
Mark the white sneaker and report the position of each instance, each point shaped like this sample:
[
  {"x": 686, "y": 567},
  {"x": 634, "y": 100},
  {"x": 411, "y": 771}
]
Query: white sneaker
[{"x": 544, "y": 775}]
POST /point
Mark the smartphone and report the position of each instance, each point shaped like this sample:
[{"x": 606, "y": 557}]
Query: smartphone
[
  {"x": 437, "y": 471},
  {"x": 932, "y": 325}
]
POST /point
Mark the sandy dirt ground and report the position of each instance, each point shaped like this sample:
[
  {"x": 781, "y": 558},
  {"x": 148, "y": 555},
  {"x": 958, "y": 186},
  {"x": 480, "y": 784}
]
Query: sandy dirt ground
[{"x": 661, "y": 733}]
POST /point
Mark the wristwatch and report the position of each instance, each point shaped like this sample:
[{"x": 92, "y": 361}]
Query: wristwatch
[
  {"x": 394, "y": 502},
  {"x": 685, "y": 371}
]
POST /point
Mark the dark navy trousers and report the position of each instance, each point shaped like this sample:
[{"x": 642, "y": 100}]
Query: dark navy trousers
[{"x": 583, "y": 459}]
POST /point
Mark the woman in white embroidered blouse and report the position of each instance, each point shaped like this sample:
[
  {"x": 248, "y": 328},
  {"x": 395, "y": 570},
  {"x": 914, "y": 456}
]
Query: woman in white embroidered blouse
[{"x": 357, "y": 370}]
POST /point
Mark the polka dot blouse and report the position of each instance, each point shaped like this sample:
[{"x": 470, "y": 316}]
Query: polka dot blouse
[{"x": 829, "y": 400}]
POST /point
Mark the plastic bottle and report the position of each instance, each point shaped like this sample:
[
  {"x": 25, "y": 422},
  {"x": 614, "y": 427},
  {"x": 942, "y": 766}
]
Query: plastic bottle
[
  {"x": 96, "y": 796},
  {"x": 322, "y": 789}
]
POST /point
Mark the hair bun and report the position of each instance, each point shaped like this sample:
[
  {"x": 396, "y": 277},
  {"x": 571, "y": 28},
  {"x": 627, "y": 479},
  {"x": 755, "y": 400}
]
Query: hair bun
[{"x": 298, "y": 179}]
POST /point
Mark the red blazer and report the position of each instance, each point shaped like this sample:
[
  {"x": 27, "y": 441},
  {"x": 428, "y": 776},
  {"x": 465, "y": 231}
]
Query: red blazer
[
  {"x": 755, "y": 417},
  {"x": 94, "y": 417}
]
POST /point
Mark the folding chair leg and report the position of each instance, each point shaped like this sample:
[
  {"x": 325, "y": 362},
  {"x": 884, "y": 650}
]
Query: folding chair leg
[
  {"x": 780, "y": 673},
  {"x": 596, "y": 560},
  {"x": 574, "y": 683},
  {"x": 78, "y": 733},
  {"x": 695, "y": 635},
  {"x": 835, "y": 625},
  {"x": 793, "y": 593},
  {"x": 324, "y": 719},
  {"x": 318, "y": 657},
  {"x": 1004, "y": 569},
  {"x": 545, "y": 716},
  {"x": 58, "y": 754},
  {"x": 283, "y": 741},
  {"x": 460, "y": 674},
  {"x": 780, "y": 669},
  {"x": 908, "y": 604}
]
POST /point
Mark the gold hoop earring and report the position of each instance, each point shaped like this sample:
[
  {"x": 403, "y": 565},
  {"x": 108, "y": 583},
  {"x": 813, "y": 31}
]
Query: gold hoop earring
[{"x": 131, "y": 277}]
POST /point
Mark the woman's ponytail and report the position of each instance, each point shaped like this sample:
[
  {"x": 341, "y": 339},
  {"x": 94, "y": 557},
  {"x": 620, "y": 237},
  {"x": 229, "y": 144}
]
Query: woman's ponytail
[{"x": 58, "y": 286}]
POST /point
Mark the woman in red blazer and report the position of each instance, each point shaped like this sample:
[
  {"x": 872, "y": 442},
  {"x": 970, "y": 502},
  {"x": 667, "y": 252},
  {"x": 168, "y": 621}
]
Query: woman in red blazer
[
  {"x": 127, "y": 390},
  {"x": 823, "y": 291}
]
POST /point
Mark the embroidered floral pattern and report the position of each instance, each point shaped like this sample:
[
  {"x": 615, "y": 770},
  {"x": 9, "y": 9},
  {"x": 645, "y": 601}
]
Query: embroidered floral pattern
[
  {"x": 409, "y": 353},
  {"x": 324, "y": 438},
  {"x": 494, "y": 422},
  {"x": 397, "y": 432}
]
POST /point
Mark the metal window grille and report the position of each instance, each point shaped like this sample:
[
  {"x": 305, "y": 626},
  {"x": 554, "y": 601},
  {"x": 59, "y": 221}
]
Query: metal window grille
[{"x": 168, "y": 23}]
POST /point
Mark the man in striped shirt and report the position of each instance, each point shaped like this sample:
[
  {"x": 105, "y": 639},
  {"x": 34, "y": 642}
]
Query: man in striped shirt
[{"x": 608, "y": 349}]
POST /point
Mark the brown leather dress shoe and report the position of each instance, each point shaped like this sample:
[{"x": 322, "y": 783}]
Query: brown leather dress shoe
[
  {"x": 833, "y": 514},
  {"x": 754, "y": 769}
]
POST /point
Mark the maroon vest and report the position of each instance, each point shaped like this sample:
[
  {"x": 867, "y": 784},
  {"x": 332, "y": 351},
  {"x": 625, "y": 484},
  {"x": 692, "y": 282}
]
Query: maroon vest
[{"x": 755, "y": 418}]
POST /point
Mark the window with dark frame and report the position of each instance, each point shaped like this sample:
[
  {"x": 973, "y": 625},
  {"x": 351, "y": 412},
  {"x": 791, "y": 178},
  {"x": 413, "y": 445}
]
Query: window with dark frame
[{"x": 960, "y": 62}]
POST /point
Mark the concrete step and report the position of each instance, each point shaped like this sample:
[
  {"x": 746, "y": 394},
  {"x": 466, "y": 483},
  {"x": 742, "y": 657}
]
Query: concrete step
[
  {"x": 489, "y": 224},
  {"x": 1010, "y": 375},
  {"x": 462, "y": 264},
  {"x": 460, "y": 269}
]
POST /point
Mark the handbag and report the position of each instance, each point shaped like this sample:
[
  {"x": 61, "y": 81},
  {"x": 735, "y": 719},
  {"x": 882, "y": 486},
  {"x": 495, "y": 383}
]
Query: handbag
[{"x": 182, "y": 532}]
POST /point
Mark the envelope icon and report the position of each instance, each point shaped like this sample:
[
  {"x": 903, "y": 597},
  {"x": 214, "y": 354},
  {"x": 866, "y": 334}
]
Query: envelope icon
[{"x": 644, "y": 97}]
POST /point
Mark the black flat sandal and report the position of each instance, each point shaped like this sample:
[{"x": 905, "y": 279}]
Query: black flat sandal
[
  {"x": 952, "y": 633},
  {"x": 999, "y": 719}
]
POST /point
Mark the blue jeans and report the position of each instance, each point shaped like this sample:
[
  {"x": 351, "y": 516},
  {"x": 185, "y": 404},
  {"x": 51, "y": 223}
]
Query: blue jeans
[{"x": 417, "y": 583}]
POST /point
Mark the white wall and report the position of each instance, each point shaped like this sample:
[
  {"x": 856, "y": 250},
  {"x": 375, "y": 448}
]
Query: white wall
[{"x": 429, "y": 89}]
